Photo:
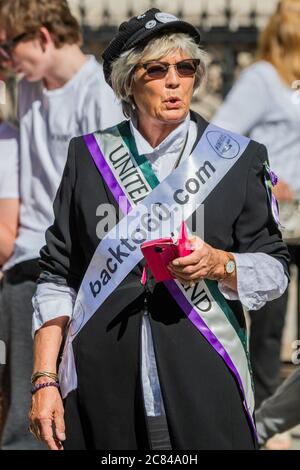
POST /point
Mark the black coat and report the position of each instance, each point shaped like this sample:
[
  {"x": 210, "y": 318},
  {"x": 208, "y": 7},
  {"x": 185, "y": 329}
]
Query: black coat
[{"x": 201, "y": 397}]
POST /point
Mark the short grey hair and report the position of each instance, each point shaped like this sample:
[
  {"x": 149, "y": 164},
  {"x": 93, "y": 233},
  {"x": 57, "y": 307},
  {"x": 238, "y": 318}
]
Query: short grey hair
[{"x": 123, "y": 68}]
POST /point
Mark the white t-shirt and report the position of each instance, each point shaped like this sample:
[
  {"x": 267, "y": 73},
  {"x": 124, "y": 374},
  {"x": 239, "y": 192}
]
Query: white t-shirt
[
  {"x": 261, "y": 105},
  {"x": 9, "y": 162},
  {"x": 48, "y": 120}
]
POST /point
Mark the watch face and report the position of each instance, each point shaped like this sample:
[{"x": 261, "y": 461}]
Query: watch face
[{"x": 230, "y": 267}]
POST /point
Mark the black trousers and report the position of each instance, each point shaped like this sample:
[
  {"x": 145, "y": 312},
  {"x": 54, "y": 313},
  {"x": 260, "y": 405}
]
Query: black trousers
[
  {"x": 152, "y": 433},
  {"x": 159, "y": 433},
  {"x": 265, "y": 340}
]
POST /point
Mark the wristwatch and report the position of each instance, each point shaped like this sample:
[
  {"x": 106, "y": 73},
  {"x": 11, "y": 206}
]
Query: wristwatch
[{"x": 229, "y": 266}]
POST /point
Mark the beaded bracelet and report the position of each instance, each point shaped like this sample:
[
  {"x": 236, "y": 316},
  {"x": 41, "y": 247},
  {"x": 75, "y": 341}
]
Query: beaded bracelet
[{"x": 43, "y": 385}]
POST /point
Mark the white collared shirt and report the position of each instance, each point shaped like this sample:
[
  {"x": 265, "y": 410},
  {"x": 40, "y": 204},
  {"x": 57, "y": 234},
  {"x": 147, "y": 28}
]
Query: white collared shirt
[{"x": 164, "y": 156}]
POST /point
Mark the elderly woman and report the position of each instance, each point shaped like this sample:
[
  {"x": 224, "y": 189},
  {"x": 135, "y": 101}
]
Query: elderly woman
[{"x": 165, "y": 365}]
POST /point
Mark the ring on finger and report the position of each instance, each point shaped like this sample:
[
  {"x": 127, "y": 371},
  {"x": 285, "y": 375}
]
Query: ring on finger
[
  {"x": 32, "y": 430},
  {"x": 36, "y": 431}
]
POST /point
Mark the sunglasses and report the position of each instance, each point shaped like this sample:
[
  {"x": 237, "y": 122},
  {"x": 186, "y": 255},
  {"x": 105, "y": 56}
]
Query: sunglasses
[
  {"x": 7, "y": 47},
  {"x": 184, "y": 68}
]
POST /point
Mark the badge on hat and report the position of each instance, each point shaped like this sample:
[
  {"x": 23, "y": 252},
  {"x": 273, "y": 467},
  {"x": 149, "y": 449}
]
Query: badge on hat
[
  {"x": 151, "y": 24},
  {"x": 165, "y": 17}
]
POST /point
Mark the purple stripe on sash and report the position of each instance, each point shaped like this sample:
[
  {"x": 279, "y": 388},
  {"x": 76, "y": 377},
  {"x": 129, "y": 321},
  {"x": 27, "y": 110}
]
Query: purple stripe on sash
[
  {"x": 193, "y": 316},
  {"x": 106, "y": 172}
]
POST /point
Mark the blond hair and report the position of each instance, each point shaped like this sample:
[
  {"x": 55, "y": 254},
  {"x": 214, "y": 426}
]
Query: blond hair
[
  {"x": 123, "y": 68},
  {"x": 28, "y": 16},
  {"x": 279, "y": 43}
]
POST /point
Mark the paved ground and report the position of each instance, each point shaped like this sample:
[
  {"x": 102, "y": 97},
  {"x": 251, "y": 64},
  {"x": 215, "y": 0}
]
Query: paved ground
[
  {"x": 295, "y": 435},
  {"x": 296, "y": 438},
  {"x": 286, "y": 370}
]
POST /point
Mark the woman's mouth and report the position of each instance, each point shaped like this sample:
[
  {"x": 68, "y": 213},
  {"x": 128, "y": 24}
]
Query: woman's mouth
[{"x": 173, "y": 102}]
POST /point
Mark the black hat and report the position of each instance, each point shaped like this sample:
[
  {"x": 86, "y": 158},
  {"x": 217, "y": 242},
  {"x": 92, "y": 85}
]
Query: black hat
[{"x": 139, "y": 30}]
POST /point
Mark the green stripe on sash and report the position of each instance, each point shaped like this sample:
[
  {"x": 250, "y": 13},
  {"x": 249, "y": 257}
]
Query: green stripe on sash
[
  {"x": 141, "y": 160},
  {"x": 217, "y": 295},
  {"x": 240, "y": 331}
]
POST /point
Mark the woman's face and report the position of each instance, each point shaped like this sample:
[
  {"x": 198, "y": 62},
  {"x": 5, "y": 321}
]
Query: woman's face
[{"x": 163, "y": 100}]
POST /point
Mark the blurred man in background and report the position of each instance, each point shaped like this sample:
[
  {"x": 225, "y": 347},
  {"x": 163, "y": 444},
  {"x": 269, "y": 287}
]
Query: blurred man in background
[{"x": 62, "y": 94}]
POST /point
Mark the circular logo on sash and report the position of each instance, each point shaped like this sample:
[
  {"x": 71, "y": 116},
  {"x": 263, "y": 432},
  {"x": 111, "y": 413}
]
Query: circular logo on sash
[
  {"x": 165, "y": 17},
  {"x": 223, "y": 144}
]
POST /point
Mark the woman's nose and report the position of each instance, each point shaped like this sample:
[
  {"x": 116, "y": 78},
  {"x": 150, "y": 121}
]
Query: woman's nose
[{"x": 172, "y": 79}]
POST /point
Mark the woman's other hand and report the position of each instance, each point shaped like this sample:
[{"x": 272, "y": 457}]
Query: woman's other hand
[
  {"x": 47, "y": 417},
  {"x": 47, "y": 413}
]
